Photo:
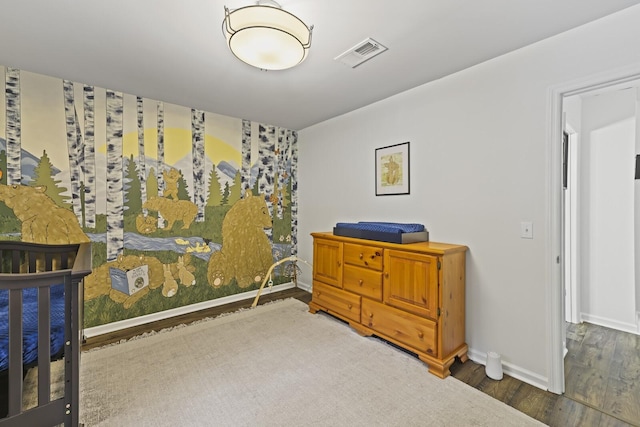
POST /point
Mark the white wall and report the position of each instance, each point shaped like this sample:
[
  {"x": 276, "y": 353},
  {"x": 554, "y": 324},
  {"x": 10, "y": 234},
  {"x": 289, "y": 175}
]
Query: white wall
[
  {"x": 608, "y": 133},
  {"x": 478, "y": 168}
]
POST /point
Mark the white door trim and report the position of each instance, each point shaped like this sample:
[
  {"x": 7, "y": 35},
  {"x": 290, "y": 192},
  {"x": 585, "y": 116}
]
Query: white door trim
[{"x": 554, "y": 268}]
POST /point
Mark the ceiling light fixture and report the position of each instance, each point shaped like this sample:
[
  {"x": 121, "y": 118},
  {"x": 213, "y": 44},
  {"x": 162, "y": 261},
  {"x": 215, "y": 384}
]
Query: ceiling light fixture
[{"x": 266, "y": 36}]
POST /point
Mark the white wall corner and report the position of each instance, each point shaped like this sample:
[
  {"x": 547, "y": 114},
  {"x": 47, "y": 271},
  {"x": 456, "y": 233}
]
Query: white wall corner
[
  {"x": 305, "y": 286},
  {"x": 612, "y": 323},
  {"x": 512, "y": 370}
]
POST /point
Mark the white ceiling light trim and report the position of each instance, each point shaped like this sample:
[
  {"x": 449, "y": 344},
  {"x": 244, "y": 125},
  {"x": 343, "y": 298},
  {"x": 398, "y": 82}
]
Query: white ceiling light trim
[{"x": 266, "y": 36}]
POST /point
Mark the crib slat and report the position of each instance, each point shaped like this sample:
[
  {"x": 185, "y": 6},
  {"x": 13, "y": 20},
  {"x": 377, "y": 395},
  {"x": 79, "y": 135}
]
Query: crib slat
[
  {"x": 44, "y": 347},
  {"x": 15, "y": 261},
  {"x": 15, "y": 352}
]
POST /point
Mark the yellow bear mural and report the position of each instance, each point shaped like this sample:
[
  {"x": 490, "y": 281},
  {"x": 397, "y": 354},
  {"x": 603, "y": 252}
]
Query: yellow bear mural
[
  {"x": 173, "y": 210},
  {"x": 42, "y": 220},
  {"x": 246, "y": 250}
]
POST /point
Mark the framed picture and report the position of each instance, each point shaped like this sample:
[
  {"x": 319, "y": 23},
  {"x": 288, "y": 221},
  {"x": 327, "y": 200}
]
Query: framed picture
[{"x": 392, "y": 169}]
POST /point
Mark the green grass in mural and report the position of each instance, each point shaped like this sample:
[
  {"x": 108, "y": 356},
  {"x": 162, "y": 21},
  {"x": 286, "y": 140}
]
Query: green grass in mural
[{"x": 103, "y": 310}]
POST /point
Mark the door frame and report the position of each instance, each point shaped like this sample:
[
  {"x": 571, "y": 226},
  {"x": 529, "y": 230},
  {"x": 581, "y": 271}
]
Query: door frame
[
  {"x": 571, "y": 235},
  {"x": 555, "y": 226}
]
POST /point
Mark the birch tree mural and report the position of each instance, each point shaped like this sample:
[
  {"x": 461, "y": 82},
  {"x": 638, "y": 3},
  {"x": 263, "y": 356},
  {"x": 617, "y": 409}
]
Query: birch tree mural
[
  {"x": 266, "y": 150},
  {"x": 294, "y": 192},
  {"x": 197, "y": 155},
  {"x": 115, "y": 183},
  {"x": 281, "y": 168},
  {"x": 160, "y": 158},
  {"x": 13, "y": 126},
  {"x": 142, "y": 173},
  {"x": 89, "y": 157},
  {"x": 73, "y": 148},
  {"x": 245, "y": 177}
]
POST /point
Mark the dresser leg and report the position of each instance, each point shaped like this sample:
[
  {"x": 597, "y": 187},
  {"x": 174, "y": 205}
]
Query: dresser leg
[
  {"x": 440, "y": 370},
  {"x": 362, "y": 331},
  {"x": 462, "y": 354}
]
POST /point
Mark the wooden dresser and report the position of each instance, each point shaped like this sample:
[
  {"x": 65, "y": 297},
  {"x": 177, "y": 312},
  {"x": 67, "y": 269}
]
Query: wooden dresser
[{"x": 412, "y": 295}]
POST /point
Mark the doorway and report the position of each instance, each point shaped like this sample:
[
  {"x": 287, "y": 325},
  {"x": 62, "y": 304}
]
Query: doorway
[{"x": 556, "y": 255}]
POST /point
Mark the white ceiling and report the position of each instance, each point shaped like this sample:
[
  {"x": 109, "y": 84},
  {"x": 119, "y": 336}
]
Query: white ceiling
[{"x": 174, "y": 51}]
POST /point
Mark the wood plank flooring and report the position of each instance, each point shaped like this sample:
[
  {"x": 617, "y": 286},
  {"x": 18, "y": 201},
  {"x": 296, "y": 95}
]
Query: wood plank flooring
[
  {"x": 603, "y": 385},
  {"x": 602, "y": 369}
]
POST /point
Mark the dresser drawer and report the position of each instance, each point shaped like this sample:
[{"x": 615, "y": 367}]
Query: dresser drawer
[
  {"x": 363, "y": 256},
  {"x": 363, "y": 281},
  {"x": 401, "y": 326},
  {"x": 336, "y": 300}
]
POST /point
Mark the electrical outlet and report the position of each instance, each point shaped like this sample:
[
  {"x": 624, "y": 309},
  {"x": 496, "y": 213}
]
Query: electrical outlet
[{"x": 526, "y": 230}]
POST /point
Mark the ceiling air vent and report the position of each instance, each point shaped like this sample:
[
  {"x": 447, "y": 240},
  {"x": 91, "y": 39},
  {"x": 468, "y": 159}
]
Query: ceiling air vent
[{"x": 360, "y": 53}]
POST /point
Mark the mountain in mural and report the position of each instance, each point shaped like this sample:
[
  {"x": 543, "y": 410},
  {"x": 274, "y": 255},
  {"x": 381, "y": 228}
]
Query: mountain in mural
[{"x": 28, "y": 161}]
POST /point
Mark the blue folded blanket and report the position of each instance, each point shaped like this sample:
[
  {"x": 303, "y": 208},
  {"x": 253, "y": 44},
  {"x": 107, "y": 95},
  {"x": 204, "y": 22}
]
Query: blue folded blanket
[
  {"x": 30, "y": 324},
  {"x": 383, "y": 227}
]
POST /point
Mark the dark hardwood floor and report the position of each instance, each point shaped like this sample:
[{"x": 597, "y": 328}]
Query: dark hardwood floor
[
  {"x": 602, "y": 370},
  {"x": 594, "y": 398}
]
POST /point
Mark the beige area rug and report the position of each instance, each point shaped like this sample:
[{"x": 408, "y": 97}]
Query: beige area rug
[{"x": 274, "y": 365}]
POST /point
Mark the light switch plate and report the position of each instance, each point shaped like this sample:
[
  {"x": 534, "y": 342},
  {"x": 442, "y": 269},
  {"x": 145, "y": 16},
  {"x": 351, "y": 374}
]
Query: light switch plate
[{"x": 526, "y": 230}]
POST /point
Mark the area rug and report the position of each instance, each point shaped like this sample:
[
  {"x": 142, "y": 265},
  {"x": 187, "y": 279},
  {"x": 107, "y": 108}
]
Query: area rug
[{"x": 274, "y": 365}]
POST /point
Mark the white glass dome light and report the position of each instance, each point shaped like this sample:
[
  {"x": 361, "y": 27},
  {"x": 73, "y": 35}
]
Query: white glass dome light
[{"x": 266, "y": 37}]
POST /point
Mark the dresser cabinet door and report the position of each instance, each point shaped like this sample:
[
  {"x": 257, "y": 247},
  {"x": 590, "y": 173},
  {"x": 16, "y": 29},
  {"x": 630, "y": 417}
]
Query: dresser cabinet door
[
  {"x": 410, "y": 282},
  {"x": 327, "y": 262}
]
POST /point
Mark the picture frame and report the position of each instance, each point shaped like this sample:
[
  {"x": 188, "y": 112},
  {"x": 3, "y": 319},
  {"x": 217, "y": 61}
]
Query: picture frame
[{"x": 392, "y": 170}]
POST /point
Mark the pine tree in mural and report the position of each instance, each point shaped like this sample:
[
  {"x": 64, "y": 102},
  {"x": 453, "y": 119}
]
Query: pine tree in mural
[
  {"x": 183, "y": 189},
  {"x": 3, "y": 167},
  {"x": 235, "y": 190},
  {"x": 266, "y": 150},
  {"x": 43, "y": 175},
  {"x": 197, "y": 155},
  {"x": 133, "y": 194},
  {"x": 142, "y": 175},
  {"x": 160, "y": 160},
  {"x": 152, "y": 184},
  {"x": 115, "y": 202},
  {"x": 246, "y": 157},
  {"x": 89, "y": 193},
  {"x": 5, "y": 212},
  {"x": 215, "y": 191},
  {"x": 13, "y": 125},
  {"x": 73, "y": 147},
  {"x": 225, "y": 194}
]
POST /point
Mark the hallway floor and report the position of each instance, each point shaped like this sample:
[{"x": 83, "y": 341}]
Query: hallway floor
[{"x": 602, "y": 370}]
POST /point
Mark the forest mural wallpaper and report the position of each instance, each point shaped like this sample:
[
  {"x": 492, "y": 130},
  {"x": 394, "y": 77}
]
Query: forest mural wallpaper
[{"x": 181, "y": 206}]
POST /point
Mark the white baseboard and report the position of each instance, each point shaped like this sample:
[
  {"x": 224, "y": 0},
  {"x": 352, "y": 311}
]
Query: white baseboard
[
  {"x": 305, "y": 286},
  {"x": 512, "y": 370},
  {"x": 124, "y": 324},
  {"x": 612, "y": 324}
]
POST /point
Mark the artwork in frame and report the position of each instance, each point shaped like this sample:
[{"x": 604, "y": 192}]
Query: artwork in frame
[{"x": 392, "y": 169}]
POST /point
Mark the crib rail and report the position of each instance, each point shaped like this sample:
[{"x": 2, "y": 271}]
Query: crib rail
[{"x": 29, "y": 265}]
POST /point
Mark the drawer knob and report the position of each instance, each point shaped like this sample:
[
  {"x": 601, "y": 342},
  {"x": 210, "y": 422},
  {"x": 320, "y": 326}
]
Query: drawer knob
[
  {"x": 360, "y": 282},
  {"x": 371, "y": 315},
  {"x": 339, "y": 263},
  {"x": 386, "y": 275},
  {"x": 420, "y": 334},
  {"x": 318, "y": 293},
  {"x": 350, "y": 306},
  {"x": 361, "y": 255}
]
